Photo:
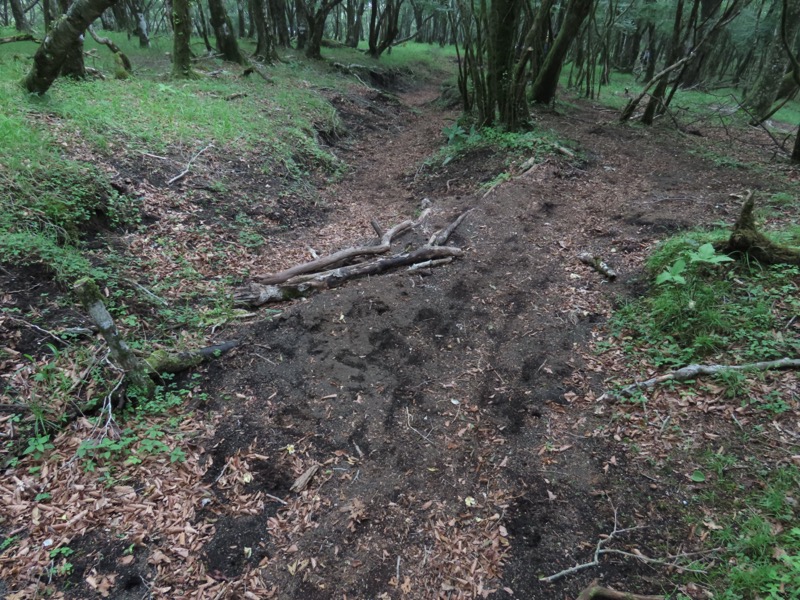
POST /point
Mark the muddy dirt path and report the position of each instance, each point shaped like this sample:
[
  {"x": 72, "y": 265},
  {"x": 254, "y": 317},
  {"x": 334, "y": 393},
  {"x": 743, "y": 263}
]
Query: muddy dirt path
[{"x": 452, "y": 412}]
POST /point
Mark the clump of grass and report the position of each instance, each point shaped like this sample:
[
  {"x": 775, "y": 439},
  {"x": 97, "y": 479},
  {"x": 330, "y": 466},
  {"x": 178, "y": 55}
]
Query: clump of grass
[
  {"x": 701, "y": 309},
  {"x": 761, "y": 544}
]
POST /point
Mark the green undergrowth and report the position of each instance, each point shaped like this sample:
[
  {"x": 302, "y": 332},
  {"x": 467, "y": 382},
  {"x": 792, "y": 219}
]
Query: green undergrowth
[
  {"x": 462, "y": 140},
  {"x": 758, "y": 536},
  {"x": 703, "y": 307}
]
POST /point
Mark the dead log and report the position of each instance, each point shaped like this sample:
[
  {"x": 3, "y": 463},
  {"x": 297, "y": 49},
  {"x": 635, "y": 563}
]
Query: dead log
[
  {"x": 162, "y": 361},
  {"x": 593, "y": 590},
  {"x": 255, "y": 294},
  {"x": 21, "y": 37},
  {"x": 747, "y": 240},
  {"x": 597, "y": 264}
]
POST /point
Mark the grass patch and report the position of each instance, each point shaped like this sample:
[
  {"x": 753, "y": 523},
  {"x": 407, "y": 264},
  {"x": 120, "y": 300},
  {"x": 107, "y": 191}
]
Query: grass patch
[
  {"x": 701, "y": 310},
  {"x": 760, "y": 541}
]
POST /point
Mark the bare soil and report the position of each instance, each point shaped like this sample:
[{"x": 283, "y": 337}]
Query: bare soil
[{"x": 452, "y": 411}]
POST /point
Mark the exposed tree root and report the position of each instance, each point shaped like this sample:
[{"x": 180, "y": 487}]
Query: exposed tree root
[
  {"x": 305, "y": 279},
  {"x": 694, "y": 371},
  {"x": 747, "y": 240},
  {"x": 593, "y": 590}
]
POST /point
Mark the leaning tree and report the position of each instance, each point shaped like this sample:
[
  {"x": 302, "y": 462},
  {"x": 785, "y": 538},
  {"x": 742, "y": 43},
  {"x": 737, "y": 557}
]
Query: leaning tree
[{"x": 61, "y": 40}]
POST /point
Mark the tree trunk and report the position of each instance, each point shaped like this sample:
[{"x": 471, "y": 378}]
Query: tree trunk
[
  {"x": 544, "y": 88},
  {"x": 181, "y": 51},
  {"x": 140, "y": 28},
  {"x": 120, "y": 12},
  {"x": 277, "y": 13},
  {"x": 202, "y": 27},
  {"x": 383, "y": 33},
  {"x": 241, "y": 20},
  {"x": 315, "y": 16},
  {"x": 20, "y": 22},
  {"x": 223, "y": 32},
  {"x": 770, "y": 77},
  {"x": 301, "y": 21},
  {"x": 67, "y": 32},
  {"x": 504, "y": 16},
  {"x": 265, "y": 45}
]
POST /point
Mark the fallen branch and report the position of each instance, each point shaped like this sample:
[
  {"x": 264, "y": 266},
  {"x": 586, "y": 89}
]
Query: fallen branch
[
  {"x": 600, "y": 549},
  {"x": 339, "y": 257},
  {"x": 185, "y": 172},
  {"x": 593, "y": 590},
  {"x": 136, "y": 370},
  {"x": 303, "y": 280},
  {"x": 125, "y": 63},
  {"x": 694, "y": 371},
  {"x": 441, "y": 236},
  {"x": 256, "y": 294},
  {"x": 597, "y": 264},
  {"x": 22, "y": 37}
]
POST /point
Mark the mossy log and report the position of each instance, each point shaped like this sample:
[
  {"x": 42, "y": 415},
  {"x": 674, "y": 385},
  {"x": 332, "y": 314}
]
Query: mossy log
[
  {"x": 137, "y": 372},
  {"x": 746, "y": 239},
  {"x": 140, "y": 373}
]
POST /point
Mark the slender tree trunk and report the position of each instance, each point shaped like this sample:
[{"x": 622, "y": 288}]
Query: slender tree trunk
[
  {"x": 181, "y": 51},
  {"x": 544, "y": 88},
  {"x": 765, "y": 90},
  {"x": 277, "y": 14},
  {"x": 223, "y": 32},
  {"x": 315, "y": 16},
  {"x": 120, "y": 11},
  {"x": 66, "y": 32},
  {"x": 301, "y": 21},
  {"x": 201, "y": 24}
]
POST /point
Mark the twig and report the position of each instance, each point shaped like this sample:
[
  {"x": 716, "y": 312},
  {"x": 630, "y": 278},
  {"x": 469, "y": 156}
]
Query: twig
[
  {"x": 600, "y": 549},
  {"x": 271, "y": 497},
  {"x": 37, "y": 328},
  {"x": 183, "y": 173},
  {"x": 417, "y": 431}
]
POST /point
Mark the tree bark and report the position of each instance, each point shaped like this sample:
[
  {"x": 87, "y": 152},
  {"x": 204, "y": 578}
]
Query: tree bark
[
  {"x": 66, "y": 33},
  {"x": 140, "y": 27},
  {"x": 265, "y": 45},
  {"x": 182, "y": 32},
  {"x": 315, "y": 16},
  {"x": 544, "y": 87},
  {"x": 20, "y": 22},
  {"x": 223, "y": 32}
]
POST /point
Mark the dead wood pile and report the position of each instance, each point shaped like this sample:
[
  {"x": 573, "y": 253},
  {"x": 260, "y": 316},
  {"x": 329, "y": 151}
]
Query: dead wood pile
[{"x": 357, "y": 261}]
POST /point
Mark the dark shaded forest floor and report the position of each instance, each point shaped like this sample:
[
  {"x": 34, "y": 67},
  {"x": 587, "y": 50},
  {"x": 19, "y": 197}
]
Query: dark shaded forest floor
[{"x": 453, "y": 412}]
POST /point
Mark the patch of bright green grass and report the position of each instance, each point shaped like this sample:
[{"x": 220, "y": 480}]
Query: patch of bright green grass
[
  {"x": 733, "y": 310},
  {"x": 760, "y": 544}
]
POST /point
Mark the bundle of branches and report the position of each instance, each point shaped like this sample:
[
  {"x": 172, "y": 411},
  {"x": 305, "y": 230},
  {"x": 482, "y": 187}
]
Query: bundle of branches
[{"x": 334, "y": 269}]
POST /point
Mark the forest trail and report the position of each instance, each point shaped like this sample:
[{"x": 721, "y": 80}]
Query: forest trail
[
  {"x": 453, "y": 411},
  {"x": 448, "y": 418}
]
